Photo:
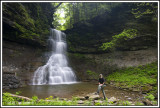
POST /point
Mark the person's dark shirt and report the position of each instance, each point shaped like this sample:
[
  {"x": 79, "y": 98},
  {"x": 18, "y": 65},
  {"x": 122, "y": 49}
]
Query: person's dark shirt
[{"x": 101, "y": 80}]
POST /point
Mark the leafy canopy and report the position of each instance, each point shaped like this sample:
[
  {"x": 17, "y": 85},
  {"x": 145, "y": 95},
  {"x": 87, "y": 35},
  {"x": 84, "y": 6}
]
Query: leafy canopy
[{"x": 68, "y": 14}]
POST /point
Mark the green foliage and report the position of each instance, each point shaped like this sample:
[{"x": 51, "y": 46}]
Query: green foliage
[
  {"x": 29, "y": 20},
  {"x": 150, "y": 97},
  {"x": 87, "y": 102},
  {"x": 125, "y": 103},
  {"x": 139, "y": 104},
  {"x": 75, "y": 98},
  {"x": 97, "y": 104},
  {"x": 91, "y": 74},
  {"x": 117, "y": 39},
  {"x": 145, "y": 8},
  {"x": 9, "y": 100},
  {"x": 19, "y": 92},
  {"x": 154, "y": 103},
  {"x": 78, "y": 55},
  {"x": 34, "y": 98},
  {"x": 111, "y": 102},
  {"x": 69, "y": 14},
  {"x": 135, "y": 76},
  {"x": 105, "y": 102}
]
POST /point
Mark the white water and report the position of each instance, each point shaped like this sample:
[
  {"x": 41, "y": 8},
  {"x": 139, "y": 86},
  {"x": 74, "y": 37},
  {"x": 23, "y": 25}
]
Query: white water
[{"x": 56, "y": 70}]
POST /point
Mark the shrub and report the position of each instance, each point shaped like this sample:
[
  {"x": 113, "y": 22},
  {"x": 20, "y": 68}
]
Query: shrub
[{"x": 117, "y": 39}]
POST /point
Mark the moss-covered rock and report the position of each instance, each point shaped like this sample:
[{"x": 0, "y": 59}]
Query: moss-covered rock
[{"x": 27, "y": 23}]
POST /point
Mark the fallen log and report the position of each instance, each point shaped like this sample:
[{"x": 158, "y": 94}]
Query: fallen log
[{"x": 21, "y": 97}]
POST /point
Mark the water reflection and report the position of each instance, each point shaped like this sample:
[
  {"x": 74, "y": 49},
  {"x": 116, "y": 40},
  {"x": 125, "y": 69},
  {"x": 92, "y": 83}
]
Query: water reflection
[{"x": 69, "y": 90}]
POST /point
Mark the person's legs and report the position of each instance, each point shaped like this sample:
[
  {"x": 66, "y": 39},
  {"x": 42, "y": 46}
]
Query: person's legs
[
  {"x": 102, "y": 88},
  {"x": 99, "y": 88}
]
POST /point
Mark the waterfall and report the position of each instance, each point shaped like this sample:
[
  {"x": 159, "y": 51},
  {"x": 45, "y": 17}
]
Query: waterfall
[{"x": 56, "y": 70}]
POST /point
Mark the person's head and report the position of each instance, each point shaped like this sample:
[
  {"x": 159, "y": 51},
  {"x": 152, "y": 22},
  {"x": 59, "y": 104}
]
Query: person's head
[{"x": 100, "y": 75}]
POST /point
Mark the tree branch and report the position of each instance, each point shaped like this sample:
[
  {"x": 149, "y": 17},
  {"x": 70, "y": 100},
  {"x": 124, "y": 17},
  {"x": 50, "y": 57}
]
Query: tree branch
[{"x": 58, "y": 5}]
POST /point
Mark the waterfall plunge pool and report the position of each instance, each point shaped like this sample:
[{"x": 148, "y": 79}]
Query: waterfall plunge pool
[{"x": 75, "y": 89}]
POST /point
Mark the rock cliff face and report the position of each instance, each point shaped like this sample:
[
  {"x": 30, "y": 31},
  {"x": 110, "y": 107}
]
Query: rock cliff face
[
  {"x": 85, "y": 38},
  {"x": 26, "y": 28},
  {"x": 25, "y": 31},
  {"x": 27, "y": 23},
  {"x": 109, "y": 62},
  {"x": 88, "y": 36},
  {"x": 21, "y": 60}
]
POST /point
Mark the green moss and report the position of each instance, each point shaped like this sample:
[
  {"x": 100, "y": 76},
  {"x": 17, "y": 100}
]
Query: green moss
[
  {"x": 77, "y": 55},
  {"x": 30, "y": 23}
]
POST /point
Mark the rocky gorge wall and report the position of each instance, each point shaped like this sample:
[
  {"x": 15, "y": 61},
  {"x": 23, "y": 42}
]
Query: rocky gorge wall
[
  {"x": 89, "y": 66},
  {"x": 24, "y": 53},
  {"x": 88, "y": 36},
  {"x": 25, "y": 32},
  {"x": 85, "y": 39},
  {"x": 20, "y": 61}
]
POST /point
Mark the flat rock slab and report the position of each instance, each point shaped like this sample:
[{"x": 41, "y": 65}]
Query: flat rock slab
[{"x": 94, "y": 97}]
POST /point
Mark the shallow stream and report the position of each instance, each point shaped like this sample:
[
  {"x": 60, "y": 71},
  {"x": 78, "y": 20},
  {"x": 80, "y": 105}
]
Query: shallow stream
[{"x": 76, "y": 89}]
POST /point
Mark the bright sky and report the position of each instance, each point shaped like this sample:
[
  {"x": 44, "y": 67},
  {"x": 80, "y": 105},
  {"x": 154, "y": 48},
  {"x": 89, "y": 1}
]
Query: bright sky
[{"x": 62, "y": 20}]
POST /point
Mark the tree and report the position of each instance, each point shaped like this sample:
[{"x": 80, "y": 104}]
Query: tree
[
  {"x": 145, "y": 8},
  {"x": 75, "y": 12}
]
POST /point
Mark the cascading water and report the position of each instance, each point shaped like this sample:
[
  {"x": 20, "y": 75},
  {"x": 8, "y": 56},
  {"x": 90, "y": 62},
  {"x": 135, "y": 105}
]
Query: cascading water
[{"x": 56, "y": 70}]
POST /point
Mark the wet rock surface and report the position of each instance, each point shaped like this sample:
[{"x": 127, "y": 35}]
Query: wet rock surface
[
  {"x": 21, "y": 60},
  {"x": 10, "y": 81},
  {"x": 109, "y": 62}
]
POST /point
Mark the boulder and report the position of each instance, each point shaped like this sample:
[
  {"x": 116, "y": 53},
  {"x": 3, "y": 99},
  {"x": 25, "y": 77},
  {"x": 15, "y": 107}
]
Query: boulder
[
  {"x": 94, "y": 97},
  {"x": 112, "y": 99},
  {"x": 81, "y": 97}
]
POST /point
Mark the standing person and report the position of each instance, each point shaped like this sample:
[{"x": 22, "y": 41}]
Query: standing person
[{"x": 101, "y": 85}]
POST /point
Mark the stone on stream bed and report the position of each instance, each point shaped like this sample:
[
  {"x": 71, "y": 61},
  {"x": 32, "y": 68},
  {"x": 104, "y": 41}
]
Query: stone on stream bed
[
  {"x": 112, "y": 99},
  {"x": 93, "y": 96},
  {"x": 81, "y": 98}
]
